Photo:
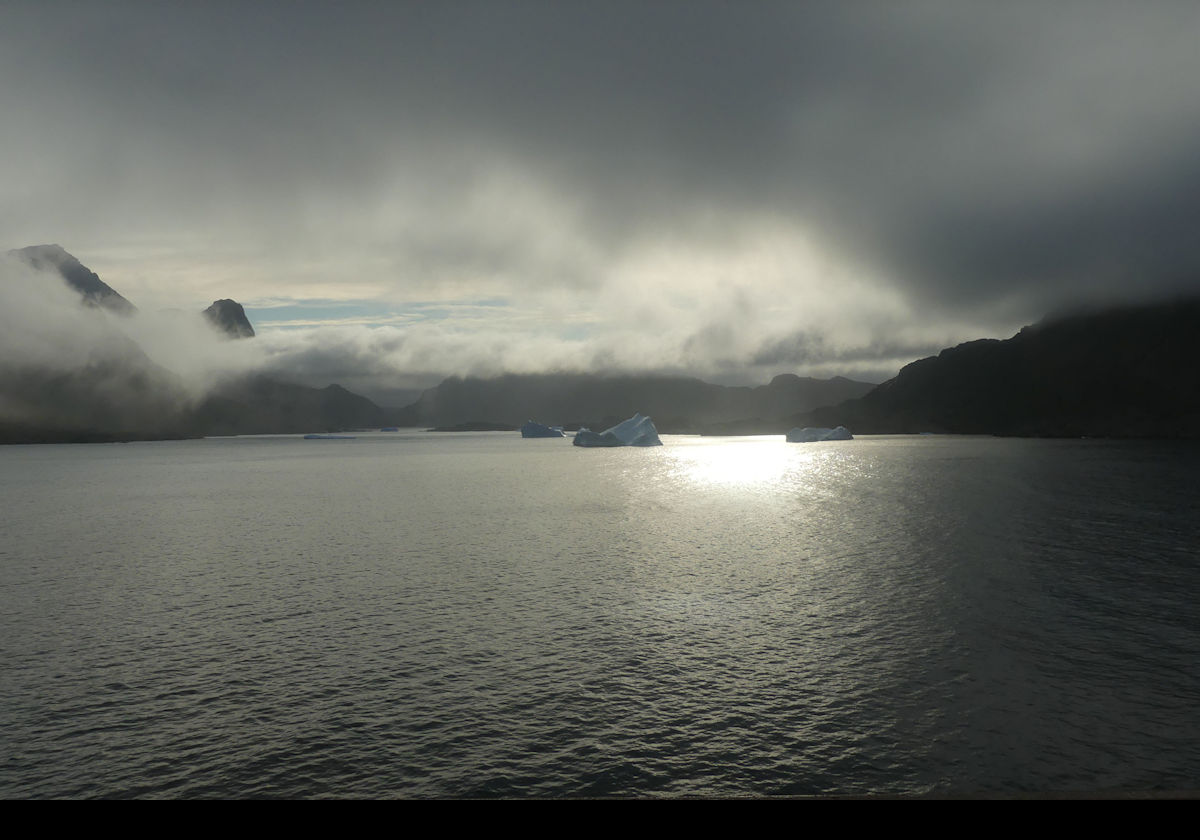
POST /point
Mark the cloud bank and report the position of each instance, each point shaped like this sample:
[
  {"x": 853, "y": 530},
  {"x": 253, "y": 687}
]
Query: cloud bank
[{"x": 725, "y": 189}]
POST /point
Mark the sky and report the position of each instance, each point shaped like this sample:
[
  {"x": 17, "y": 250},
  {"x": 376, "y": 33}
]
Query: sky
[{"x": 398, "y": 191}]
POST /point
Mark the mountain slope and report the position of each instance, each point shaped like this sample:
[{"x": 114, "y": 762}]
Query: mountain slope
[
  {"x": 95, "y": 292},
  {"x": 1119, "y": 372},
  {"x": 261, "y": 405}
]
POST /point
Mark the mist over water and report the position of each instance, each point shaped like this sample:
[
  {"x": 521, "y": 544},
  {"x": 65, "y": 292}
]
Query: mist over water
[{"x": 480, "y": 615}]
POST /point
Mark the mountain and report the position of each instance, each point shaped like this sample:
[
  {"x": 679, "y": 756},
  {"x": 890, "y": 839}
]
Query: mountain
[
  {"x": 119, "y": 393},
  {"x": 1125, "y": 371},
  {"x": 260, "y": 405},
  {"x": 83, "y": 378},
  {"x": 229, "y": 317},
  {"x": 93, "y": 290},
  {"x": 109, "y": 389},
  {"x": 677, "y": 404}
]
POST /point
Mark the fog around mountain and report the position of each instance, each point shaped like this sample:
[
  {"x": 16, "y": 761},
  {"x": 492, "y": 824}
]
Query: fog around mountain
[
  {"x": 80, "y": 362},
  {"x": 400, "y": 192}
]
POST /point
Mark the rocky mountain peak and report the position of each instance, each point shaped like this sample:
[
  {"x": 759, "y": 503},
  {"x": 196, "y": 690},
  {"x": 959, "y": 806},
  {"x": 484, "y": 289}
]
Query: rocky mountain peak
[{"x": 230, "y": 317}]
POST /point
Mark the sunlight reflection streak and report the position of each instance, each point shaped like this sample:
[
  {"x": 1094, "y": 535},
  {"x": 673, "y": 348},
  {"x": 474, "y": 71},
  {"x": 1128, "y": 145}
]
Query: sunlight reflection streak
[{"x": 749, "y": 462}]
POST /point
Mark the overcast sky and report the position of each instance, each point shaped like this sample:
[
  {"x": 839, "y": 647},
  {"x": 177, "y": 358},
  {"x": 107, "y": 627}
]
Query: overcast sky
[{"x": 732, "y": 189}]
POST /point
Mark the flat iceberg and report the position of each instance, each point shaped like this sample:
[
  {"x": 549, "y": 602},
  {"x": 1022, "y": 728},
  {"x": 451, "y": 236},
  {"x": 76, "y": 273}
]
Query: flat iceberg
[
  {"x": 636, "y": 431},
  {"x": 810, "y": 434},
  {"x": 537, "y": 430}
]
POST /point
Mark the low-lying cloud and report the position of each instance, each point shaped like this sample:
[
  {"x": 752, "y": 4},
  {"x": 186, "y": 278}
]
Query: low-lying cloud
[{"x": 648, "y": 186}]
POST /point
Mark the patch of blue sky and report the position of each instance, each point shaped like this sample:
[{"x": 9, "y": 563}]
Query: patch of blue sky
[{"x": 296, "y": 314}]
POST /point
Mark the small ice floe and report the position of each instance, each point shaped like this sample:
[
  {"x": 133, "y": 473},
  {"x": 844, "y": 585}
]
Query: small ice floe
[
  {"x": 811, "y": 434},
  {"x": 537, "y": 430}
]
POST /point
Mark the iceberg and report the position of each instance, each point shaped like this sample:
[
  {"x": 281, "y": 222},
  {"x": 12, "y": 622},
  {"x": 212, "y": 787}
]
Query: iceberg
[
  {"x": 636, "y": 431},
  {"x": 537, "y": 430},
  {"x": 810, "y": 434}
]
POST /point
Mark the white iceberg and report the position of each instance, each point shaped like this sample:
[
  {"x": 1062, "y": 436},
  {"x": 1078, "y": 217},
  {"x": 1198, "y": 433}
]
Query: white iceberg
[
  {"x": 636, "y": 431},
  {"x": 810, "y": 434},
  {"x": 537, "y": 430}
]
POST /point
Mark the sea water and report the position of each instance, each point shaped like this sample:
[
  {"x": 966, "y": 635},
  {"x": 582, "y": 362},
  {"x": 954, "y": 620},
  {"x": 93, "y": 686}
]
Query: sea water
[{"x": 461, "y": 615}]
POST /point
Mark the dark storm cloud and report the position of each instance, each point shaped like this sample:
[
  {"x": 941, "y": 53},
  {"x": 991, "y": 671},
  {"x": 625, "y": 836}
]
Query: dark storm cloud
[
  {"x": 971, "y": 156},
  {"x": 1130, "y": 232}
]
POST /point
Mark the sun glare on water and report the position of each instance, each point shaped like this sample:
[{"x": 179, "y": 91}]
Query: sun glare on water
[{"x": 739, "y": 462}]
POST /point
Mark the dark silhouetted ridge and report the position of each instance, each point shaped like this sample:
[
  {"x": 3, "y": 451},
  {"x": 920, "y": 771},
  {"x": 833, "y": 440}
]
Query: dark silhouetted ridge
[
  {"x": 677, "y": 404},
  {"x": 1119, "y": 372}
]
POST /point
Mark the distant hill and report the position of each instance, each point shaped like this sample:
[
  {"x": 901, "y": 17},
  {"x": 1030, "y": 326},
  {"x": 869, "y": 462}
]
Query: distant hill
[
  {"x": 677, "y": 404},
  {"x": 1119, "y": 372},
  {"x": 93, "y": 290},
  {"x": 261, "y": 405},
  {"x": 108, "y": 401}
]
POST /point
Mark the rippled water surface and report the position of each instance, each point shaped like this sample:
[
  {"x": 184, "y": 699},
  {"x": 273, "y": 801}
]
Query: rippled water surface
[{"x": 428, "y": 615}]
